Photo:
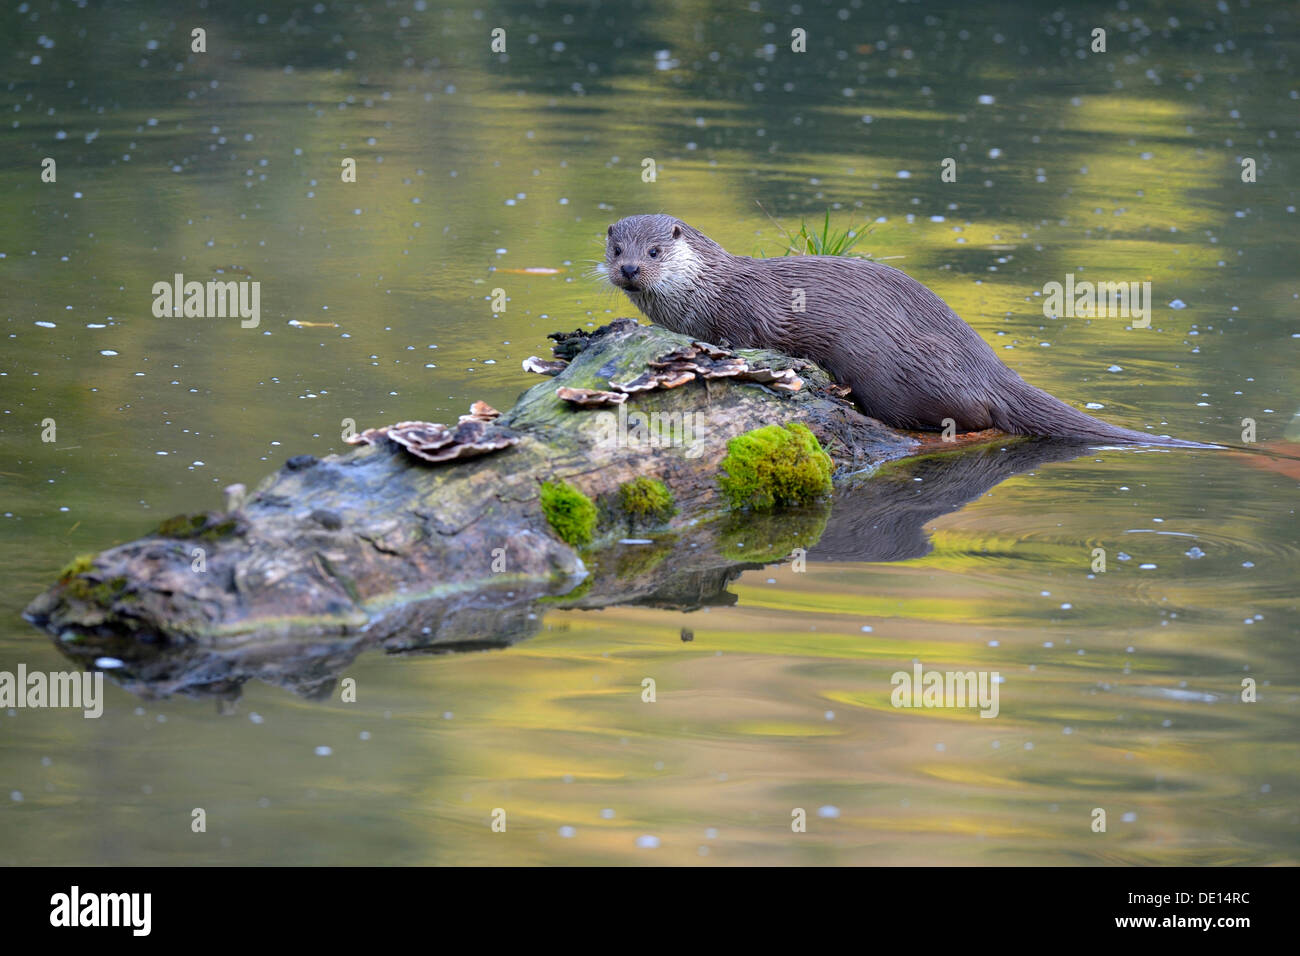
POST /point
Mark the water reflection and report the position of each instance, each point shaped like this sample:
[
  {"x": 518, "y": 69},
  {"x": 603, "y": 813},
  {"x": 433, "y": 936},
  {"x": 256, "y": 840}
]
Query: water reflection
[
  {"x": 1125, "y": 166},
  {"x": 877, "y": 518}
]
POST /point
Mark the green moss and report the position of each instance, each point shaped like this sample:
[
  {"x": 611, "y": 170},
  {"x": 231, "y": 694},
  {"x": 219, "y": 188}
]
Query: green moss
[
  {"x": 196, "y": 526},
  {"x": 86, "y": 589},
  {"x": 78, "y": 565},
  {"x": 571, "y": 514},
  {"x": 79, "y": 589},
  {"x": 647, "y": 501},
  {"x": 773, "y": 465},
  {"x": 104, "y": 593},
  {"x": 182, "y": 526}
]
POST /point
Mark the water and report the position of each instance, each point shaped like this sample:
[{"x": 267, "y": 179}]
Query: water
[{"x": 1122, "y": 690}]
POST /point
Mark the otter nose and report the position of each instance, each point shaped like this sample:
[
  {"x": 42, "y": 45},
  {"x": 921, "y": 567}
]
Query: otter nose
[{"x": 631, "y": 272}]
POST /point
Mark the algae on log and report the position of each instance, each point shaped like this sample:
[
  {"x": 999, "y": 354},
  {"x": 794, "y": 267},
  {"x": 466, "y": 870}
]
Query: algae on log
[{"x": 375, "y": 548}]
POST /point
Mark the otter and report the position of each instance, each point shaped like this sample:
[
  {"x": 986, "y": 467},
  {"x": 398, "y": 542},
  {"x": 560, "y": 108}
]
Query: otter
[{"x": 907, "y": 358}]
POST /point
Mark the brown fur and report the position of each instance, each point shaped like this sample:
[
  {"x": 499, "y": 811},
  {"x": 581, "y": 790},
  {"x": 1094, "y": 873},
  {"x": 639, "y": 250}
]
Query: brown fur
[{"x": 910, "y": 361}]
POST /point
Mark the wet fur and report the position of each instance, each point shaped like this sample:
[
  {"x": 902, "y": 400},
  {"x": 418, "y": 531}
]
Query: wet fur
[{"x": 910, "y": 361}]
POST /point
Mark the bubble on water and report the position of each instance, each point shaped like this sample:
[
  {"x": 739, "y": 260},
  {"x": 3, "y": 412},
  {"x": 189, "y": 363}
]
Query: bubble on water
[
  {"x": 108, "y": 663},
  {"x": 647, "y": 842},
  {"x": 829, "y": 812},
  {"x": 985, "y": 99},
  {"x": 323, "y": 751},
  {"x": 1178, "y": 304},
  {"x": 568, "y": 832},
  {"x": 109, "y": 352}
]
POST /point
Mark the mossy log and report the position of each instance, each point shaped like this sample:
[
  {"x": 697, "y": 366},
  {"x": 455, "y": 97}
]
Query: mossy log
[{"x": 378, "y": 548}]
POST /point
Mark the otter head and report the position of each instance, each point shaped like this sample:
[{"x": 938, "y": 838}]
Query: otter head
[{"x": 652, "y": 255}]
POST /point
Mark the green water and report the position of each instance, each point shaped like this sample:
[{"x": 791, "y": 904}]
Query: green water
[{"x": 1122, "y": 690}]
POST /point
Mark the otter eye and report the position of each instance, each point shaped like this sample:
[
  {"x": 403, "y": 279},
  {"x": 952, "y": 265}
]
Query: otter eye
[
  {"x": 618, "y": 250},
  {"x": 654, "y": 253}
]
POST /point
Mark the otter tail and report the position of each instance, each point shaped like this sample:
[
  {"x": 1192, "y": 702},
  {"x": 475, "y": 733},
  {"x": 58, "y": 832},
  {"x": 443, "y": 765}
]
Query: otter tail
[{"x": 1031, "y": 411}]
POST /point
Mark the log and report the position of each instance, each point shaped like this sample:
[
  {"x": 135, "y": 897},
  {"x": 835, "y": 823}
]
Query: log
[{"x": 432, "y": 539}]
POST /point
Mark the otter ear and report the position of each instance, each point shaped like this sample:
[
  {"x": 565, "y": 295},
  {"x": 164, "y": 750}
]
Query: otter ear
[
  {"x": 610, "y": 231},
  {"x": 677, "y": 232}
]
